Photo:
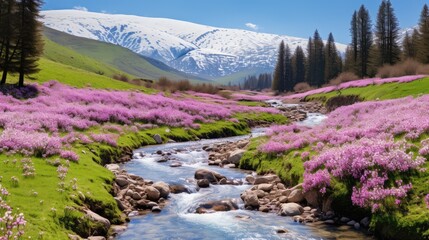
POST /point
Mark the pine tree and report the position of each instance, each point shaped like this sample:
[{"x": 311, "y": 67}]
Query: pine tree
[
  {"x": 309, "y": 75},
  {"x": 354, "y": 34},
  {"x": 298, "y": 66},
  {"x": 7, "y": 36},
  {"x": 319, "y": 60},
  {"x": 288, "y": 70},
  {"x": 279, "y": 72},
  {"x": 409, "y": 45},
  {"x": 387, "y": 30},
  {"x": 349, "y": 60},
  {"x": 30, "y": 43},
  {"x": 333, "y": 62},
  {"x": 423, "y": 42},
  {"x": 364, "y": 41}
]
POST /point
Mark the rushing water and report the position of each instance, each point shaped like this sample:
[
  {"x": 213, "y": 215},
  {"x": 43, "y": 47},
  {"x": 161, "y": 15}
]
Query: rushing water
[{"x": 178, "y": 220}]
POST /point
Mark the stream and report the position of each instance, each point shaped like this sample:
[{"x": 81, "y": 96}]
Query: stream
[{"x": 178, "y": 219}]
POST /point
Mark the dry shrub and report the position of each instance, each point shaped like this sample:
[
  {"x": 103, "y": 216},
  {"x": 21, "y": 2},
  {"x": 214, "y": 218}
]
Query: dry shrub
[
  {"x": 302, "y": 87},
  {"x": 407, "y": 67},
  {"x": 225, "y": 94},
  {"x": 183, "y": 85},
  {"x": 165, "y": 84},
  {"x": 121, "y": 77},
  {"x": 343, "y": 77}
]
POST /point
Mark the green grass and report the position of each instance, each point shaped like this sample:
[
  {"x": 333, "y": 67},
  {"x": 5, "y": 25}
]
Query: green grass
[
  {"x": 66, "y": 56},
  {"x": 75, "y": 77},
  {"x": 382, "y": 92},
  {"x": 118, "y": 57}
]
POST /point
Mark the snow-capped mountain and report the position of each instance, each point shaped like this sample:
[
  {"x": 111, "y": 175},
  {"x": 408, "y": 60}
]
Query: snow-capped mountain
[{"x": 189, "y": 47}]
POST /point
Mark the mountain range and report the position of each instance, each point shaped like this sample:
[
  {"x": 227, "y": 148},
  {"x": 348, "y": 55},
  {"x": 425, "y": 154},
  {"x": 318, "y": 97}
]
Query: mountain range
[{"x": 205, "y": 51}]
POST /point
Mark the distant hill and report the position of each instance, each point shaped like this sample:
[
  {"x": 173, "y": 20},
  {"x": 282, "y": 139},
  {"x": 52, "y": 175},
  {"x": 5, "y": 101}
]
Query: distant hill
[{"x": 105, "y": 58}]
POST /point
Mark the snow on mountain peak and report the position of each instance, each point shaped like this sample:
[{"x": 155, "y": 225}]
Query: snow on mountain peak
[{"x": 189, "y": 47}]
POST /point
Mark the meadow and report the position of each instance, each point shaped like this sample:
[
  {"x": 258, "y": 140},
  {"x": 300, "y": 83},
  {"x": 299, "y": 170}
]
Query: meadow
[{"x": 54, "y": 139}]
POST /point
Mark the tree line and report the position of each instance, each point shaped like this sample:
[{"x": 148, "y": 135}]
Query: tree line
[
  {"x": 257, "y": 83},
  {"x": 370, "y": 49},
  {"x": 21, "y": 41}
]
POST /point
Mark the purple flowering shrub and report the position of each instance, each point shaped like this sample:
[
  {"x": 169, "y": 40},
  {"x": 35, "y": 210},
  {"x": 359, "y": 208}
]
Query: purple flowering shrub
[
  {"x": 370, "y": 144},
  {"x": 59, "y": 115},
  {"x": 11, "y": 225}
]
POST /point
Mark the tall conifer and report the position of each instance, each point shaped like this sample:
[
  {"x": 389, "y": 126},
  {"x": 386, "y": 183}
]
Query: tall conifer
[
  {"x": 7, "y": 36},
  {"x": 30, "y": 43},
  {"x": 333, "y": 62},
  {"x": 288, "y": 87},
  {"x": 387, "y": 35},
  {"x": 423, "y": 41},
  {"x": 298, "y": 66},
  {"x": 279, "y": 71}
]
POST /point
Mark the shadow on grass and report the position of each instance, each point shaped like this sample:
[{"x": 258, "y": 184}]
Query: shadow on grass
[{"x": 26, "y": 92}]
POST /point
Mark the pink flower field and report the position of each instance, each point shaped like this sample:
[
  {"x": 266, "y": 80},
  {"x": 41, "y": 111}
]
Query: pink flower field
[
  {"x": 59, "y": 116},
  {"x": 370, "y": 144},
  {"x": 357, "y": 83}
]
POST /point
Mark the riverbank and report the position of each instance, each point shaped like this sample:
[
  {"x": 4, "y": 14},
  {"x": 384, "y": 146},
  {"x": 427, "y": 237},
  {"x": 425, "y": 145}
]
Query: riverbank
[{"x": 337, "y": 159}]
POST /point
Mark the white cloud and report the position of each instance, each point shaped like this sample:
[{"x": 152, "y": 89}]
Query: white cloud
[
  {"x": 80, "y": 8},
  {"x": 252, "y": 26}
]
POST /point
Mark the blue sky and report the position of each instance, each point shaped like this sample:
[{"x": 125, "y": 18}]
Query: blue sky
[{"x": 294, "y": 18}]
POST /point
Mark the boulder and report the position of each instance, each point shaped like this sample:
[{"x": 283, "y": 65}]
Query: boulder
[
  {"x": 235, "y": 156},
  {"x": 163, "y": 189},
  {"x": 290, "y": 209},
  {"x": 157, "y": 138},
  {"x": 260, "y": 180},
  {"x": 250, "y": 199},
  {"x": 156, "y": 209},
  {"x": 267, "y": 179},
  {"x": 243, "y": 144},
  {"x": 351, "y": 223},
  {"x": 113, "y": 167},
  {"x": 178, "y": 189},
  {"x": 97, "y": 218},
  {"x": 217, "y": 206},
  {"x": 212, "y": 176},
  {"x": 152, "y": 193},
  {"x": 136, "y": 196},
  {"x": 122, "y": 182},
  {"x": 356, "y": 226},
  {"x": 296, "y": 196},
  {"x": 203, "y": 183},
  {"x": 365, "y": 222},
  {"x": 176, "y": 164},
  {"x": 283, "y": 199},
  {"x": 118, "y": 229},
  {"x": 250, "y": 179},
  {"x": 312, "y": 198},
  {"x": 266, "y": 187}
]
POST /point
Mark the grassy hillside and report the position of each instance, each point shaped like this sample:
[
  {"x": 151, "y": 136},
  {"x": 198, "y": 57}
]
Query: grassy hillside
[
  {"x": 384, "y": 91},
  {"x": 115, "y": 56},
  {"x": 66, "y": 56},
  {"x": 76, "y": 77}
]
